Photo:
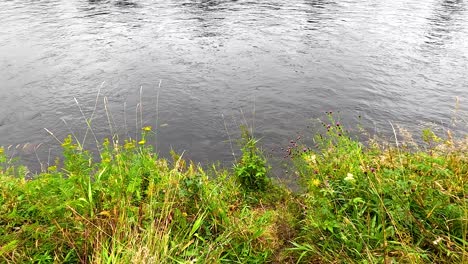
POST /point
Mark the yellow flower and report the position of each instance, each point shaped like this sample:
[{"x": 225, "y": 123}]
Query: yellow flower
[
  {"x": 129, "y": 144},
  {"x": 146, "y": 128},
  {"x": 316, "y": 182},
  {"x": 142, "y": 142},
  {"x": 1, "y": 151}
]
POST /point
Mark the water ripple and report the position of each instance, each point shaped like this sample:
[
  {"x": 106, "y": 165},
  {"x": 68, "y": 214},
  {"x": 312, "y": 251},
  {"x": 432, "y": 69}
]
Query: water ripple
[{"x": 404, "y": 61}]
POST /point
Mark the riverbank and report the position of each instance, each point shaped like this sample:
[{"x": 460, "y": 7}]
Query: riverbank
[{"x": 372, "y": 203}]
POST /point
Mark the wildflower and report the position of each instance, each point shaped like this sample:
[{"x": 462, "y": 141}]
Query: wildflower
[
  {"x": 316, "y": 182},
  {"x": 67, "y": 141},
  {"x": 1, "y": 151},
  {"x": 437, "y": 241},
  {"x": 129, "y": 144},
  {"x": 105, "y": 143},
  {"x": 146, "y": 128},
  {"x": 310, "y": 159},
  {"x": 349, "y": 177},
  {"x": 142, "y": 142}
]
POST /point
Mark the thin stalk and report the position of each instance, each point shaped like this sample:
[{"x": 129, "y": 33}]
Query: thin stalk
[
  {"x": 229, "y": 137},
  {"x": 110, "y": 121},
  {"x": 88, "y": 122}
]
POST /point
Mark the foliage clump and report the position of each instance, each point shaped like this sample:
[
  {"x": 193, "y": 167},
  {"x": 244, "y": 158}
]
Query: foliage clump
[
  {"x": 382, "y": 203},
  {"x": 130, "y": 206},
  {"x": 251, "y": 171}
]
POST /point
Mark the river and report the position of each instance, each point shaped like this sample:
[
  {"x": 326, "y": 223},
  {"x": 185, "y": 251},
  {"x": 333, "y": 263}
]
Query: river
[{"x": 201, "y": 68}]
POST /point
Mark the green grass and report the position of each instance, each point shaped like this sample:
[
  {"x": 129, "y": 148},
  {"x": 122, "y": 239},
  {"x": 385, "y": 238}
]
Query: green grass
[{"x": 358, "y": 203}]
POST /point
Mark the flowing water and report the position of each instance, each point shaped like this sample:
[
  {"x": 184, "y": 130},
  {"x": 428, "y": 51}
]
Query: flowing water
[{"x": 200, "y": 68}]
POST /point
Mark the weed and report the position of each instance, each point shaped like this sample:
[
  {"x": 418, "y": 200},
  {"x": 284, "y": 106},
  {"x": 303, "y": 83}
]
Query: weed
[
  {"x": 377, "y": 204},
  {"x": 251, "y": 171}
]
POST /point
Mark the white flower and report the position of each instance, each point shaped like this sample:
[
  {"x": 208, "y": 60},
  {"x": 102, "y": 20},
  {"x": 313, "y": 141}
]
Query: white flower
[
  {"x": 349, "y": 177},
  {"x": 311, "y": 159},
  {"x": 437, "y": 241}
]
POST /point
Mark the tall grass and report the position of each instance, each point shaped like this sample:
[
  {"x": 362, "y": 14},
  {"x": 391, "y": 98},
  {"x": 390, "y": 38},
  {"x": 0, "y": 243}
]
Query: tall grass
[
  {"x": 381, "y": 203},
  {"x": 359, "y": 203},
  {"x": 130, "y": 207}
]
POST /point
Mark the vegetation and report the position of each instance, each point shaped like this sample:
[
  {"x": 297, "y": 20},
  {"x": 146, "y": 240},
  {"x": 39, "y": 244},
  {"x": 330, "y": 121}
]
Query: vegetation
[{"x": 359, "y": 203}]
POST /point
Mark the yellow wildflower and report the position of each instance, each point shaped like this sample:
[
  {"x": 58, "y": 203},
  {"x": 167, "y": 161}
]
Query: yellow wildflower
[
  {"x": 146, "y": 128},
  {"x": 129, "y": 144},
  {"x": 142, "y": 142},
  {"x": 316, "y": 182}
]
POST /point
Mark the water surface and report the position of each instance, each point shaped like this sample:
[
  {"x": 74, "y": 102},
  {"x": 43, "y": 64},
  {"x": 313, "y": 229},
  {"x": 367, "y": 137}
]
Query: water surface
[{"x": 275, "y": 64}]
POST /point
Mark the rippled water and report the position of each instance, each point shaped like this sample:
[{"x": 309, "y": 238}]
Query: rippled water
[{"x": 278, "y": 63}]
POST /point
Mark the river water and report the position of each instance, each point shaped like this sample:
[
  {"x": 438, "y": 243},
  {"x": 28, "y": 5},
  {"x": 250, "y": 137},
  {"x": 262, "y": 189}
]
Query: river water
[{"x": 201, "y": 68}]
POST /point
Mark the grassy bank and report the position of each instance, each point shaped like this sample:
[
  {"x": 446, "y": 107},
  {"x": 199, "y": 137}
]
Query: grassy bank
[{"x": 372, "y": 203}]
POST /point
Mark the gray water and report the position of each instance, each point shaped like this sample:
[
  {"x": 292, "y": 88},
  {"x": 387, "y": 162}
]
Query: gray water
[{"x": 200, "y": 68}]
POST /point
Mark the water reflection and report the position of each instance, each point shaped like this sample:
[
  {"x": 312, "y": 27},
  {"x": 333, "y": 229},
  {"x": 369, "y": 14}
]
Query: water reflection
[
  {"x": 209, "y": 16},
  {"x": 118, "y": 3},
  {"x": 318, "y": 12},
  {"x": 444, "y": 21},
  {"x": 98, "y": 1},
  {"x": 125, "y": 3},
  {"x": 205, "y": 5}
]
